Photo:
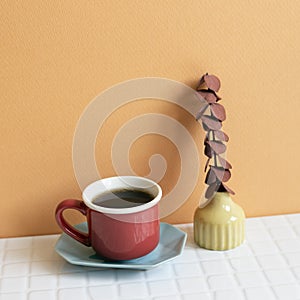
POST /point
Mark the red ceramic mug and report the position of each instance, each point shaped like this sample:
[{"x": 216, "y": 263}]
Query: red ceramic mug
[{"x": 116, "y": 233}]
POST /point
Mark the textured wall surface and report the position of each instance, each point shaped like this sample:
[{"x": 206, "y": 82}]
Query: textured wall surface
[{"x": 56, "y": 56}]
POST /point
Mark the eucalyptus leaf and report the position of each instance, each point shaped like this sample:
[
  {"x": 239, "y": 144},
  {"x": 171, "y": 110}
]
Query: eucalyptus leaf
[
  {"x": 210, "y": 177},
  {"x": 211, "y": 122},
  {"x": 210, "y": 191},
  {"x": 212, "y": 82},
  {"x": 225, "y": 188},
  {"x": 224, "y": 163},
  {"x": 208, "y": 151},
  {"x": 209, "y": 96},
  {"x": 217, "y": 146},
  {"x": 222, "y": 136},
  {"x": 218, "y": 111},
  {"x": 222, "y": 174}
]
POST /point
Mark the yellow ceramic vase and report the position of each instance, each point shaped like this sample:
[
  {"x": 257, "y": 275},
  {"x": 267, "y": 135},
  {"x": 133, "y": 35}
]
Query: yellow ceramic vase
[{"x": 220, "y": 224}]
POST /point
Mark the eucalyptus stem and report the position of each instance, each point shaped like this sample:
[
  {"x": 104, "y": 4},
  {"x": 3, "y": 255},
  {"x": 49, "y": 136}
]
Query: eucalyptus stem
[
  {"x": 218, "y": 172},
  {"x": 215, "y": 155},
  {"x": 214, "y": 139}
]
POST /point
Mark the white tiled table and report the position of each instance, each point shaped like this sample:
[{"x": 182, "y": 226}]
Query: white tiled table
[{"x": 266, "y": 266}]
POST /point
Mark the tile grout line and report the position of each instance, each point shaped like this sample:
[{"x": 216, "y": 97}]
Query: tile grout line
[
  {"x": 29, "y": 270},
  {"x": 2, "y": 258}
]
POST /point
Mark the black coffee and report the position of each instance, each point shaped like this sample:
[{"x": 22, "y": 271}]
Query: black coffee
[{"x": 123, "y": 198}]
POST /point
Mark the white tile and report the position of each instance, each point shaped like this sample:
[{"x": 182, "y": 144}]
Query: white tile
[
  {"x": 257, "y": 235},
  {"x": 45, "y": 295},
  {"x": 253, "y": 223},
  {"x": 190, "y": 242},
  {"x": 1, "y": 265},
  {"x": 164, "y": 271},
  {"x": 44, "y": 267},
  {"x": 281, "y": 276},
  {"x": 2, "y": 253},
  {"x": 188, "y": 255},
  {"x": 133, "y": 290},
  {"x": 259, "y": 293},
  {"x": 266, "y": 266},
  {"x": 185, "y": 270},
  {"x": 162, "y": 288},
  {"x": 72, "y": 280},
  {"x": 129, "y": 275},
  {"x": 74, "y": 294},
  {"x": 192, "y": 285},
  {"x": 2, "y": 243},
  {"x": 271, "y": 261},
  {"x": 229, "y": 295},
  {"x": 19, "y": 243},
  {"x": 284, "y": 232},
  {"x": 13, "y": 284},
  {"x": 15, "y": 269},
  {"x": 14, "y": 296},
  {"x": 107, "y": 276},
  {"x": 275, "y": 221},
  {"x": 289, "y": 245},
  {"x": 297, "y": 229},
  {"x": 220, "y": 282},
  {"x": 240, "y": 251},
  {"x": 216, "y": 267},
  {"x": 43, "y": 254},
  {"x": 297, "y": 272},
  {"x": 294, "y": 219},
  {"x": 43, "y": 282},
  {"x": 244, "y": 264},
  {"x": 56, "y": 256},
  {"x": 287, "y": 292},
  {"x": 204, "y": 254},
  {"x": 200, "y": 296},
  {"x": 17, "y": 255},
  {"x": 46, "y": 241},
  {"x": 251, "y": 279},
  {"x": 109, "y": 292},
  {"x": 264, "y": 247},
  {"x": 173, "y": 297},
  {"x": 65, "y": 267}
]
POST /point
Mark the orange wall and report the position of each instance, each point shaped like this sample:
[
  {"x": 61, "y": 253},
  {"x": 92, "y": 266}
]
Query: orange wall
[{"x": 55, "y": 56}]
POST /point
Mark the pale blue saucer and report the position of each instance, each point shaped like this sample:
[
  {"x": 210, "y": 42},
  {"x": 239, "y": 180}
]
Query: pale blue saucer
[{"x": 171, "y": 245}]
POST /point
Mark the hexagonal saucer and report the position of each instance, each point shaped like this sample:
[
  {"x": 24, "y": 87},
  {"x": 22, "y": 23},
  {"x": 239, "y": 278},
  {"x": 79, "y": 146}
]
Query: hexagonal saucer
[{"x": 171, "y": 245}]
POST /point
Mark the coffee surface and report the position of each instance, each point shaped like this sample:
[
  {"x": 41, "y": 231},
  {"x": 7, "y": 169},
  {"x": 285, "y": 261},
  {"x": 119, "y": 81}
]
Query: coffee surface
[{"x": 123, "y": 198}]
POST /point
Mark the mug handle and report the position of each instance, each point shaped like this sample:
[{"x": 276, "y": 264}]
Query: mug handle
[{"x": 79, "y": 236}]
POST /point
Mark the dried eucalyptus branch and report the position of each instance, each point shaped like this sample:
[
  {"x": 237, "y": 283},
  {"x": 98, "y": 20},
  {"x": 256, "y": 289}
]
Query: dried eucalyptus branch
[{"x": 212, "y": 115}]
